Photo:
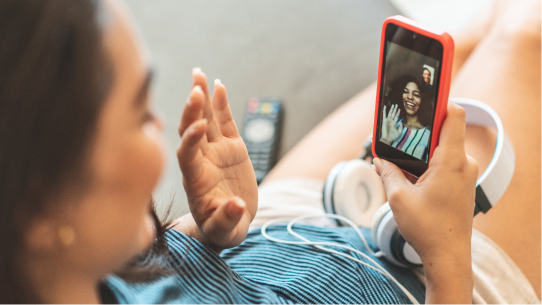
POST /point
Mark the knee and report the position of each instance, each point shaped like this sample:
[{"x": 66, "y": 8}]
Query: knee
[{"x": 523, "y": 23}]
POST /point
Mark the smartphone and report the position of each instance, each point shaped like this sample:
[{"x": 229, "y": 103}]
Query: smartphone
[{"x": 412, "y": 94}]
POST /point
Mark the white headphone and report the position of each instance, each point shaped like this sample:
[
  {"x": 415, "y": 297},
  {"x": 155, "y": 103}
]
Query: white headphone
[{"x": 354, "y": 190}]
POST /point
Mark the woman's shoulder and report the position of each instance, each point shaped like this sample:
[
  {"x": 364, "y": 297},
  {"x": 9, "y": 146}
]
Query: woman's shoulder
[{"x": 198, "y": 275}]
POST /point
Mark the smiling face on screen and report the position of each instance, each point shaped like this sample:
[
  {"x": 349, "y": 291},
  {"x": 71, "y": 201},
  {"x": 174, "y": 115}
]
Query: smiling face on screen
[
  {"x": 412, "y": 99},
  {"x": 427, "y": 76}
]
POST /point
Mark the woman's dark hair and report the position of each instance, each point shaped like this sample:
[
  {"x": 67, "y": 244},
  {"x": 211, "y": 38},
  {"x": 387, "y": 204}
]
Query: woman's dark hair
[
  {"x": 425, "y": 111},
  {"x": 54, "y": 78}
]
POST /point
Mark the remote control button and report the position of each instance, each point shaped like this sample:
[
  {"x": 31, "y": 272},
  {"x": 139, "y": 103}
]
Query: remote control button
[
  {"x": 253, "y": 105},
  {"x": 266, "y": 108},
  {"x": 276, "y": 108},
  {"x": 266, "y": 147},
  {"x": 259, "y": 130}
]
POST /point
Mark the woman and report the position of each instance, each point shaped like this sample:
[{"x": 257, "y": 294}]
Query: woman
[
  {"x": 81, "y": 154},
  {"x": 406, "y": 125},
  {"x": 426, "y": 76}
]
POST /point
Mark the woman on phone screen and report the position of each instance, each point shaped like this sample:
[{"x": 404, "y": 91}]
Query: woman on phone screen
[{"x": 406, "y": 125}]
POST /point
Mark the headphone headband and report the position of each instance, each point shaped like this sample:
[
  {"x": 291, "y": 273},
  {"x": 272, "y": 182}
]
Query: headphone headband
[{"x": 495, "y": 179}]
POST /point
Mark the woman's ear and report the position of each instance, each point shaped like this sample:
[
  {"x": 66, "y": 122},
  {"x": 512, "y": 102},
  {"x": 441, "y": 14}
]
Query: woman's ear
[{"x": 41, "y": 236}]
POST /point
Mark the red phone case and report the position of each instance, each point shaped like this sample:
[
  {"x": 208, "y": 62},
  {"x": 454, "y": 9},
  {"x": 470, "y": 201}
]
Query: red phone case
[{"x": 445, "y": 74}]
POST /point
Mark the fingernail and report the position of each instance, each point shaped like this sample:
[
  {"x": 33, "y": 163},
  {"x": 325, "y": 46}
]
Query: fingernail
[
  {"x": 240, "y": 203},
  {"x": 196, "y": 70},
  {"x": 197, "y": 88},
  {"x": 198, "y": 124},
  {"x": 378, "y": 164},
  {"x": 217, "y": 82},
  {"x": 235, "y": 207}
]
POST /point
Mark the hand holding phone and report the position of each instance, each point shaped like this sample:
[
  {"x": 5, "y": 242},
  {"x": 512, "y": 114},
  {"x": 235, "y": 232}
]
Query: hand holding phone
[
  {"x": 413, "y": 86},
  {"x": 439, "y": 233}
]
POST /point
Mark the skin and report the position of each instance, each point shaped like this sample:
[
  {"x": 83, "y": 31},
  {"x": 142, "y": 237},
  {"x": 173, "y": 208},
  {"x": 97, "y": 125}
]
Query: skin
[
  {"x": 500, "y": 49},
  {"x": 390, "y": 130},
  {"x": 514, "y": 223},
  {"x": 126, "y": 161},
  {"x": 218, "y": 218},
  {"x": 217, "y": 173},
  {"x": 426, "y": 76},
  {"x": 446, "y": 251},
  {"x": 411, "y": 103}
]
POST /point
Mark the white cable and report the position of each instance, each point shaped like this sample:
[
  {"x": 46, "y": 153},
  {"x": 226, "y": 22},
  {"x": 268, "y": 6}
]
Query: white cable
[
  {"x": 313, "y": 243},
  {"x": 320, "y": 245},
  {"x": 339, "y": 217}
]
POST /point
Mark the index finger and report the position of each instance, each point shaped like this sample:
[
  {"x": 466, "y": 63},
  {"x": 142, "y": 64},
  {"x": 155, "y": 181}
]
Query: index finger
[
  {"x": 200, "y": 79},
  {"x": 192, "y": 109}
]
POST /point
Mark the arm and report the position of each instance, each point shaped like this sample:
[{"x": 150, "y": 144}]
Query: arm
[
  {"x": 435, "y": 214},
  {"x": 217, "y": 173}
]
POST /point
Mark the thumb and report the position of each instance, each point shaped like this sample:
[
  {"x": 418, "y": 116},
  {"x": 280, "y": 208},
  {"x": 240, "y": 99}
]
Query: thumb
[
  {"x": 222, "y": 225},
  {"x": 226, "y": 216},
  {"x": 392, "y": 177}
]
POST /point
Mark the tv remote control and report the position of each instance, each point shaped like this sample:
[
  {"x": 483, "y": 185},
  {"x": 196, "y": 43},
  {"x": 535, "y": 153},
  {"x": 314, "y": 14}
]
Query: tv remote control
[{"x": 261, "y": 133}]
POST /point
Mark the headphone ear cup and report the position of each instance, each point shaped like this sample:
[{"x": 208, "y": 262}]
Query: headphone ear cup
[
  {"x": 384, "y": 232},
  {"x": 354, "y": 190},
  {"x": 377, "y": 218},
  {"x": 327, "y": 194},
  {"x": 389, "y": 241}
]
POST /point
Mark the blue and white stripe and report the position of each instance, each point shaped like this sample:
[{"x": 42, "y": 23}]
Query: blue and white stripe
[{"x": 260, "y": 271}]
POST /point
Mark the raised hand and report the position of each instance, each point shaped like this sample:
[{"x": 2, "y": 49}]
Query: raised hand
[
  {"x": 390, "y": 130},
  {"x": 217, "y": 173}
]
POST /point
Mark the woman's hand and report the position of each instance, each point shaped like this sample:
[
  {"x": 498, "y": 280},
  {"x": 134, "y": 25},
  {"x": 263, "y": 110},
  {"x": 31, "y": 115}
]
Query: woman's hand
[
  {"x": 435, "y": 214},
  {"x": 217, "y": 173},
  {"x": 390, "y": 130}
]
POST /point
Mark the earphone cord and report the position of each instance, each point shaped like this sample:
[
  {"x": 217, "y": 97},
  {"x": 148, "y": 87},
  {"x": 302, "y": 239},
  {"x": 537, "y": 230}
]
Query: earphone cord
[{"x": 377, "y": 267}]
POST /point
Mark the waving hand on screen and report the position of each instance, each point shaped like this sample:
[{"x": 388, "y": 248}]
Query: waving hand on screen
[{"x": 390, "y": 130}]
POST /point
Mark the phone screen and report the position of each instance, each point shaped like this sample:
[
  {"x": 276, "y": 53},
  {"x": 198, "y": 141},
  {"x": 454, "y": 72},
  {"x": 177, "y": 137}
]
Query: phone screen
[{"x": 408, "y": 96}]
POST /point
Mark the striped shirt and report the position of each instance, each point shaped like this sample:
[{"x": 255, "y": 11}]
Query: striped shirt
[
  {"x": 414, "y": 142},
  {"x": 260, "y": 271}
]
